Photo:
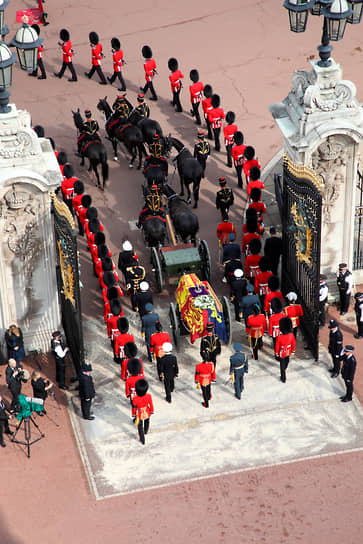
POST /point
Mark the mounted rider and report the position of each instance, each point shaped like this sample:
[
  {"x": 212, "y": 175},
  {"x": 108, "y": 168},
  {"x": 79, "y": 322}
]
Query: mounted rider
[
  {"x": 153, "y": 207},
  {"x": 122, "y": 107},
  {"x": 89, "y": 132},
  {"x": 142, "y": 109},
  {"x": 155, "y": 156}
]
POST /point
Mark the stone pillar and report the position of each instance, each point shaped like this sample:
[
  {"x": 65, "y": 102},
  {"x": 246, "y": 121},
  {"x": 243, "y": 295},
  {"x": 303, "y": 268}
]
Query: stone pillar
[
  {"x": 28, "y": 286},
  {"x": 322, "y": 126}
]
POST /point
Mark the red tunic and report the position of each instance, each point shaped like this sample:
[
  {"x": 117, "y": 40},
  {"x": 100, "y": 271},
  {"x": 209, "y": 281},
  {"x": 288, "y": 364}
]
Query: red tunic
[
  {"x": 268, "y": 299},
  {"x": 157, "y": 340},
  {"x": 247, "y": 165},
  {"x": 130, "y": 391},
  {"x": 120, "y": 340},
  {"x": 94, "y": 254},
  {"x": 149, "y": 67},
  {"x": 111, "y": 323},
  {"x": 124, "y": 372},
  {"x": 100, "y": 278},
  {"x": 260, "y": 209},
  {"x": 67, "y": 187},
  {"x": 215, "y": 117},
  {"x": 251, "y": 265},
  {"x": 204, "y": 373},
  {"x": 207, "y": 106},
  {"x": 117, "y": 60},
  {"x": 274, "y": 324},
  {"x": 237, "y": 154},
  {"x": 67, "y": 51},
  {"x": 40, "y": 51},
  {"x": 285, "y": 345},
  {"x": 256, "y": 325},
  {"x": 294, "y": 312},
  {"x": 175, "y": 82},
  {"x": 223, "y": 230},
  {"x": 258, "y": 183},
  {"x": 228, "y": 131},
  {"x": 105, "y": 289},
  {"x": 144, "y": 406},
  {"x": 196, "y": 92},
  {"x": 247, "y": 239},
  {"x": 76, "y": 202},
  {"x": 96, "y": 54},
  {"x": 261, "y": 285}
]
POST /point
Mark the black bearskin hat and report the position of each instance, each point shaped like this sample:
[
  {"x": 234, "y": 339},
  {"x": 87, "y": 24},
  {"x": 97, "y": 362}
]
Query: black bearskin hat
[
  {"x": 251, "y": 212},
  {"x": 249, "y": 152},
  {"x": 146, "y": 52},
  {"x": 107, "y": 264},
  {"x": 130, "y": 348},
  {"x": 36, "y": 28},
  {"x": 141, "y": 387},
  {"x": 276, "y": 305},
  {"x": 255, "y": 172},
  {"x": 264, "y": 263},
  {"x": 68, "y": 170},
  {"x": 115, "y": 44},
  {"x": 86, "y": 201},
  {"x": 230, "y": 117},
  {"x": 238, "y": 137},
  {"x": 102, "y": 251},
  {"x": 99, "y": 238},
  {"x": 216, "y": 101},
  {"x": 112, "y": 293},
  {"x": 109, "y": 279},
  {"x": 92, "y": 213},
  {"x": 208, "y": 91},
  {"x": 194, "y": 75},
  {"x": 173, "y": 64},
  {"x": 78, "y": 187},
  {"x": 255, "y": 246},
  {"x": 94, "y": 224},
  {"x": 256, "y": 194},
  {"x": 62, "y": 157},
  {"x": 134, "y": 366},
  {"x": 122, "y": 322},
  {"x": 115, "y": 306},
  {"x": 158, "y": 326},
  {"x": 251, "y": 225},
  {"x": 93, "y": 38},
  {"x": 256, "y": 309},
  {"x": 64, "y": 35},
  {"x": 39, "y": 131},
  {"x": 285, "y": 325},
  {"x": 274, "y": 283}
]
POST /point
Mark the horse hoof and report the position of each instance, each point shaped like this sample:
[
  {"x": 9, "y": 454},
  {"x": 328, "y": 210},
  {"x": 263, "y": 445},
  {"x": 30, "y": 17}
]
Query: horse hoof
[{"x": 115, "y": 158}]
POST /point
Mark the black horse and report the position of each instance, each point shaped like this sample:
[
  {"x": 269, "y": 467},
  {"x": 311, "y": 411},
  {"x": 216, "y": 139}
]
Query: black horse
[
  {"x": 185, "y": 222},
  {"x": 148, "y": 127},
  {"x": 130, "y": 135},
  {"x": 189, "y": 169},
  {"x": 95, "y": 152},
  {"x": 154, "y": 230}
]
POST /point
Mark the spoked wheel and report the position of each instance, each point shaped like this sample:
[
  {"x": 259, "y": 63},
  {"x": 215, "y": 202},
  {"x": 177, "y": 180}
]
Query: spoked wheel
[
  {"x": 227, "y": 319},
  {"x": 174, "y": 325},
  {"x": 206, "y": 260},
  {"x": 157, "y": 269}
]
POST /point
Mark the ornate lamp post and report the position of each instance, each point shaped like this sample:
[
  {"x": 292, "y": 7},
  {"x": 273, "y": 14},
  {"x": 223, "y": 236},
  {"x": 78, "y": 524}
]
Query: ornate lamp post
[{"x": 7, "y": 59}]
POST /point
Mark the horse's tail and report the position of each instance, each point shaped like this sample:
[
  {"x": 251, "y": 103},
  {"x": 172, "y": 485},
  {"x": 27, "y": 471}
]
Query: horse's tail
[{"x": 104, "y": 166}]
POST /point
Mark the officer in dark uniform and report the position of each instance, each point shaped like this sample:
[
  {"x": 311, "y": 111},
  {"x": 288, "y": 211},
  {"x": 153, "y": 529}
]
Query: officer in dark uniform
[
  {"x": 238, "y": 368},
  {"x": 122, "y": 108},
  {"x": 86, "y": 390},
  {"x": 345, "y": 283},
  {"x": 210, "y": 344},
  {"x": 97, "y": 56},
  {"x": 126, "y": 257},
  {"x": 148, "y": 328},
  {"x": 358, "y": 308},
  {"x": 152, "y": 206},
  {"x": 142, "y": 297},
  {"x": 348, "y": 372},
  {"x": 90, "y": 131},
  {"x": 224, "y": 199},
  {"x": 60, "y": 353},
  {"x": 335, "y": 347},
  {"x": 201, "y": 150},
  {"x": 134, "y": 275},
  {"x": 323, "y": 298},
  {"x": 231, "y": 250},
  {"x": 238, "y": 291},
  {"x": 142, "y": 108},
  {"x": 169, "y": 370},
  {"x": 155, "y": 157}
]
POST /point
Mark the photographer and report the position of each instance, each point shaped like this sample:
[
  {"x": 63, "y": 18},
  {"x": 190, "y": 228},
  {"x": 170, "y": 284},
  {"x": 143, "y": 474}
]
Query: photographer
[
  {"x": 40, "y": 388},
  {"x": 14, "y": 377}
]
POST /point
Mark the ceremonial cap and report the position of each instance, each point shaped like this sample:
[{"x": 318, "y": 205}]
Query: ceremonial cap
[
  {"x": 126, "y": 246},
  {"x": 78, "y": 187},
  {"x": 216, "y": 101},
  {"x": 87, "y": 368},
  {"x": 140, "y": 97},
  {"x": 250, "y": 288},
  {"x": 56, "y": 334},
  {"x": 144, "y": 286},
  {"x": 237, "y": 346},
  {"x": 238, "y": 137},
  {"x": 255, "y": 173},
  {"x": 115, "y": 306},
  {"x": 91, "y": 213},
  {"x": 115, "y": 43},
  {"x": 112, "y": 292},
  {"x": 167, "y": 347},
  {"x": 285, "y": 325},
  {"x": 222, "y": 181},
  {"x": 291, "y": 296},
  {"x": 238, "y": 273},
  {"x": 64, "y": 35},
  {"x": 209, "y": 326},
  {"x": 146, "y": 52},
  {"x": 134, "y": 366},
  {"x": 88, "y": 113},
  {"x": 249, "y": 152},
  {"x": 194, "y": 75},
  {"x": 99, "y": 238},
  {"x": 332, "y": 324},
  {"x": 273, "y": 282},
  {"x": 255, "y": 246},
  {"x": 208, "y": 91},
  {"x": 149, "y": 307},
  {"x": 343, "y": 265},
  {"x": 264, "y": 263},
  {"x": 231, "y": 236},
  {"x": 86, "y": 201},
  {"x": 109, "y": 279},
  {"x": 173, "y": 64},
  {"x": 276, "y": 305},
  {"x": 230, "y": 117},
  {"x": 68, "y": 170},
  {"x": 349, "y": 348},
  {"x": 93, "y": 38}
]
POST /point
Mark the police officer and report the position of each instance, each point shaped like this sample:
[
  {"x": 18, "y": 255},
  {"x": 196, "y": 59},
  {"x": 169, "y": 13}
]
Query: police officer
[
  {"x": 68, "y": 53},
  {"x": 201, "y": 151},
  {"x": 86, "y": 391},
  {"x": 335, "y": 347},
  {"x": 168, "y": 370},
  {"x": 323, "y": 298},
  {"x": 97, "y": 56},
  {"x": 60, "y": 353},
  {"x": 238, "y": 367},
  {"x": 224, "y": 198},
  {"x": 118, "y": 62},
  {"x": 345, "y": 283},
  {"x": 348, "y": 372},
  {"x": 358, "y": 309},
  {"x": 211, "y": 344}
]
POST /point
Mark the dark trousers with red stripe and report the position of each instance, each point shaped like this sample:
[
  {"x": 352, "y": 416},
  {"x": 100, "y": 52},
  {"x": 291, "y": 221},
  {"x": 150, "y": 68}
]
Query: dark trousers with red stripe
[
  {"x": 121, "y": 79},
  {"x": 284, "y": 363},
  {"x": 206, "y": 394},
  {"x": 70, "y": 67},
  {"x": 176, "y": 100},
  {"x": 195, "y": 110},
  {"x": 216, "y": 133},
  {"x": 97, "y": 69},
  {"x": 149, "y": 85}
]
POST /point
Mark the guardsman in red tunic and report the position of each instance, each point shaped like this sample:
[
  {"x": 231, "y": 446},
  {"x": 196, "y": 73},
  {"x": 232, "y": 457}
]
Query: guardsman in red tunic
[
  {"x": 202, "y": 151},
  {"x": 274, "y": 319},
  {"x": 135, "y": 372},
  {"x": 130, "y": 352},
  {"x": 40, "y": 64},
  {"x": 196, "y": 94},
  {"x": 256, "y": 327},
  {"x": 224, "y": 198},
  {"x": 251, "y": 233},
  {"x": 97, "y": 56},
  {"x": 150, "y": 71},
  {"x": 228, "y": 130},
  {"x": 143, "y": 403},
  {"x": 215, "y": 117},
  {"x": 118, "y": 62},
  {"x": 252, "y": 262},
  {"x": 115, "y": 313},
  {"x": 293, "y": 311},
  {"x": 175, "y": 80},
  {"x": 67, "y": 185},
  {"x": 157, "y": 340},
  {"x": 257, "y": 204},
  {"x": 207, "y": 107},
  {"x": 255, "y": 173},
  {"x": 78, "y": 189},
  {"x": 86, "y": 201},
  {"x": 285, "y": 346},
  {"x": 62, "y": 160},
  {"x": 112, "y": 294},
  {"x": 224, "y": 229},
  {"x": 237, "y": 152},
  {"x": 68, "y": 53},
  {"x": 249, "y": 162},
  {"x": 273, "y": 283},
  {"x": 204, "y": 372},
  {"x": 261, "y": 279}
]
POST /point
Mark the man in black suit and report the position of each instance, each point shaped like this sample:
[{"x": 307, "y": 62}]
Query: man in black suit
[
  {"x": 273, "y": 250},
  {"x": 238, "y": 291},
  {"x": 86, "y": 390},
  {"x": 4, "y": 422},
  {"x": 168, "y": 370},
  {"x": 348, "y": 371}
]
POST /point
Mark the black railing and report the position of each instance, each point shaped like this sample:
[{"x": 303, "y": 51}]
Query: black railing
[{"x": 358, "y": 224}]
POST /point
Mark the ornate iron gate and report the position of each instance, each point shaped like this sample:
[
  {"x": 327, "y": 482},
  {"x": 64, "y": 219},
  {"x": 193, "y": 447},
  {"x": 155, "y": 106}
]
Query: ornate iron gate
[
  {"x": 302, "y": 205},
  {"x": 358, "y": 224},
  {"x": 68, "y": 280}
]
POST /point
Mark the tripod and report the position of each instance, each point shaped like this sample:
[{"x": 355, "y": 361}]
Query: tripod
[{"x": 27, "y": 433}]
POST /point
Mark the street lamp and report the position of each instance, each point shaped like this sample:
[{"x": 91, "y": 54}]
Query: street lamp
[
  {"x": 357, "y": 7},
  {"x": 7, "y": 59},
  {"x": 3, "y": 4},
  {"x": 298, "y": 13},
  {"x": 27, "y": 41}
]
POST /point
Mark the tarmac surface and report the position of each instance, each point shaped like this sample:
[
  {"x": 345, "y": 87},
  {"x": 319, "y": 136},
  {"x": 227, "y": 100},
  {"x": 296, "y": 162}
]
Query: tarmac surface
[{"x": 282, "y": 465}]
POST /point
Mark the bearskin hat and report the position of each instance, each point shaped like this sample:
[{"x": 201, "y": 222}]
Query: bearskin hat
[
  {"x": 141, "y": 387},
  {"x": 107, "y": 264},
  {"x": 264, "y": 263},
  {"x": 102, "y": 251},
  {"x": 36, "y": 28},
  {"x": 274, "y": 283},
  {"x": 64, "y": 35},
  {"x": 93, "y": 224},
  {"x": 249, "y": 152},
  {"x": 52, "y": 142},
  {"x": 285, "y": 325},
  {"x": 216, "y": 101},
  {"x": 93, "y": 38},
  {"x": 194, "y": 75},
  {"x": 130, "y": 349},
  {"x": 230, "y": 117},
  {"x": 115, "y": 306},
  {"x": 208, "y": 91},
  {"x": 115, "y": 44},
  {"x": 86, "y": 201},
  {"x": 134, "y": 366},
  {"x": 251, "y": 212},
  {"x": 276, "y": 305},
  {"x": 68, "y": 170},
  {"x": 251, "y": 225},
  {"x": 92, "y": 213},
  {"x": 109, "y": 279},
  {"x": 78, "y": 187},
  {"x": 256, "y": 309},
  {"x": 146, "y": 52},
  {"x": 255, "y": 172},
  {"x": 39, "y": 130},
  {"x": 255, "y": 246},
  {"x": 256, "y": 194},
  {"x": 238, "y": 137},
  {"x": 112, "y": 293},
  {"x": 99, "y": 238},
  {"x": 173, "y": 64},
  {"x": 158, "y": 326},
  {"x": 62, "y": 157},
  {"x": 123, "y": 324}
]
